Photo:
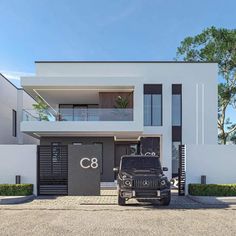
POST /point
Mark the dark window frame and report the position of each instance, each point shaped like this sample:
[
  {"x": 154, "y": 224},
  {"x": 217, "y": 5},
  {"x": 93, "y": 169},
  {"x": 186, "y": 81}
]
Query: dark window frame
[
  {"x": 14, "y": 123},
  {"x": 177, "y": 130},
  {"x": 154, "y": 89}
]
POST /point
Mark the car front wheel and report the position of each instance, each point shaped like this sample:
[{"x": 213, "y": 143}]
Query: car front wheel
[
  {"x": 165, "y": 201},
  {"x": 121, "y": 200}
]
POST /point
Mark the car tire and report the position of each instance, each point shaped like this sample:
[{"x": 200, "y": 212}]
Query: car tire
[
  {"x": 165, "y": 201},
  {"x": 121, "y": 200}
]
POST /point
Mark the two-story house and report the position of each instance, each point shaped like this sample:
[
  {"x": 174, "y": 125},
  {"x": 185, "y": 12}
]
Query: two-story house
[{"x": 124, "y": 107}]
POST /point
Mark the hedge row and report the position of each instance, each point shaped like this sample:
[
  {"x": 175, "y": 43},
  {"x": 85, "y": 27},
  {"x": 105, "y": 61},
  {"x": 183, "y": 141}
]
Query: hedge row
[
  {"x": 212, "y": 189},
  {"x": 16, "y": 189}
]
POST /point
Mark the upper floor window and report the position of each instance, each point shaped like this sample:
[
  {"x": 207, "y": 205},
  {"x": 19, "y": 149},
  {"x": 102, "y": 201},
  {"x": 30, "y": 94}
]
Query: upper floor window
[
  {"x": 14, "y": 123},
  {"x": 176, "y": 105},
  {"x": 152, "y": 104}
]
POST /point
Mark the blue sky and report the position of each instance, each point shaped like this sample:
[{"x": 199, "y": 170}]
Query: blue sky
[{"x": 101, "y": 29}]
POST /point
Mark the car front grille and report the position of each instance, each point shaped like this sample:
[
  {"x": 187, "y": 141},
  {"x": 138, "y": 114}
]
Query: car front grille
[{"x": 145, "y": 183}]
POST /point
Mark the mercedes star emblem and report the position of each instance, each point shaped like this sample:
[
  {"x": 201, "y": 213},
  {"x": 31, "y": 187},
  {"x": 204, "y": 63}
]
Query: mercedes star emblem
[{"x": 145, "y": 182}]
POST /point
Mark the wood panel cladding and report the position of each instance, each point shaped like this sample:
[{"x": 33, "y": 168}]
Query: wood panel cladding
[{"x": 108, "y": 99}]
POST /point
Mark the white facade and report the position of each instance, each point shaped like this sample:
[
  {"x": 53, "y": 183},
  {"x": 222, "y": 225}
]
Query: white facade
[
  {"x": 58, "y": 81},
  {"x": 216, "y": 162},
  {"x": 18, "y": 160},
  {"x": 11, "y": 99}
]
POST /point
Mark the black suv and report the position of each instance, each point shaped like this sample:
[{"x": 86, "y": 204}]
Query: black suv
[{"x": 142, "y": 177}]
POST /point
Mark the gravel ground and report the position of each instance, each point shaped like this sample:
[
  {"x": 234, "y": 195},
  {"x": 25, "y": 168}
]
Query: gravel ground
[
  {"x": 102, "y": 216},
  {"x": 112, "y": 220}
]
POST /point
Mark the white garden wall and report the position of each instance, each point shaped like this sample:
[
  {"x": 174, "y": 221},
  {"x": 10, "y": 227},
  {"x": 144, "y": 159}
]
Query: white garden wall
[
  {"x": 217, "y": 162},
  {"x": 18, "y": 160}
]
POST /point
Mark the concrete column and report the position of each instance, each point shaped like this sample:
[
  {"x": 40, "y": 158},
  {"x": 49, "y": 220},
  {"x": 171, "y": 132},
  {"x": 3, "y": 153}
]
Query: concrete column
[{"x": 167, "y": 132}]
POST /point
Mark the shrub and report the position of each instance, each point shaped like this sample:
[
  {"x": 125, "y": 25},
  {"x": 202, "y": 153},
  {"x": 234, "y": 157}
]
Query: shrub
[
  {"x": 212, "y": 189},
  {"x": 16, "y": 189}
]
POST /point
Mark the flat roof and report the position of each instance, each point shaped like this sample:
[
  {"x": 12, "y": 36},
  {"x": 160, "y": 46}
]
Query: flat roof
[{"x": 125, "y": 62}]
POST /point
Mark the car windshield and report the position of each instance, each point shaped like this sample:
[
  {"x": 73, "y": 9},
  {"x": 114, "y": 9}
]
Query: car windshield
[{"x": 140, "y": 163}]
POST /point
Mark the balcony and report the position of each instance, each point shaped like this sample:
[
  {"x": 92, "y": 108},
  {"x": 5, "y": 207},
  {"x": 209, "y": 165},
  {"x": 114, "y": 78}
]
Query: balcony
[
  {"x": 82, "y": 122},
  {"x": 79, "y": 115},
  {"x": 85, "y": 110}
]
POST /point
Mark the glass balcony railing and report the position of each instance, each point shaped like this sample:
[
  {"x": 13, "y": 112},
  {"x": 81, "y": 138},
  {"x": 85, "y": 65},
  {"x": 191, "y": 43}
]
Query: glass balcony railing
[{"x": 89, "y": 114}]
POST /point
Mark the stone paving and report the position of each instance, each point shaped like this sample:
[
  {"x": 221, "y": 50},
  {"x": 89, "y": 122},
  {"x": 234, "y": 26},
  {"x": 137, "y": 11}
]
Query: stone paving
[{"x": 107, "y": 198}]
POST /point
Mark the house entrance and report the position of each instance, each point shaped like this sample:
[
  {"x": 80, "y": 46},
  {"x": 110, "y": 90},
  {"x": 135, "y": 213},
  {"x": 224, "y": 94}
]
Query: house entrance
[{"x": 146, "y": 146}]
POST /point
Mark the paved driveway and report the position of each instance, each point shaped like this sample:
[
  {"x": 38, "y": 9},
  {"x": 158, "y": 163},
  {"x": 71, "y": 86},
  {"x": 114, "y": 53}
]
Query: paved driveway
[{"x": 102, "y": 216}]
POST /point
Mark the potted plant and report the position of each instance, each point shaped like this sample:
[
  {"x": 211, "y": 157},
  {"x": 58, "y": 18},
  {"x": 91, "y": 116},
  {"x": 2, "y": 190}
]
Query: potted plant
[{"x": 121, "y": 106}]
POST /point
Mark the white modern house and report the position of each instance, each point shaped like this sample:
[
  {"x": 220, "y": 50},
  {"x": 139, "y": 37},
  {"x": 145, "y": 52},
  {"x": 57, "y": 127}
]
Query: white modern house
[
  {"x": 166, "y": 104},
  {"x": 108, "y": 109},
  {"x": 13, "y": 101}
]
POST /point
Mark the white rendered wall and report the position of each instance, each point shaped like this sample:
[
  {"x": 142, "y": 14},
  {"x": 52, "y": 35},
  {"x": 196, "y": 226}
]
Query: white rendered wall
[
  {"x": 199, "y": 95},
  {"x": 199, "y": 90},
  {"x": 13, "y": 99},
  {"x": 24, "y": 102},
  {"x": 217, "y": 162},
  {"x": 18, "y": 160}
]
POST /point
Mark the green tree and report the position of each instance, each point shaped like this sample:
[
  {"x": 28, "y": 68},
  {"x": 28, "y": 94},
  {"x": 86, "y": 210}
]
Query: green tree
[
  {"x": 42, "y": 108},
  {"x": 216, "y": 45}
]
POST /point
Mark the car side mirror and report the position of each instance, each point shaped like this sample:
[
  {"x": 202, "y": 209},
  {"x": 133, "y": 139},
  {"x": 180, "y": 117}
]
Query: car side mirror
[
  {"x": 116, "y": 169},
  {"x": 165, "y": 169}
]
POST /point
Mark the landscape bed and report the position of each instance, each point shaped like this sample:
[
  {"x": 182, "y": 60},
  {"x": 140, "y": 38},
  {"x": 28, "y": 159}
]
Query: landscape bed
[
  {"x": 16, "y": 189},
  {"x": 219, "y": 190}
]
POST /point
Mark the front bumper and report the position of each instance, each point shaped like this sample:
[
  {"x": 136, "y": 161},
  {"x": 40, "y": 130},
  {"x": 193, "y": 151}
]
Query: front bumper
[{"x": 144, "y": 193}]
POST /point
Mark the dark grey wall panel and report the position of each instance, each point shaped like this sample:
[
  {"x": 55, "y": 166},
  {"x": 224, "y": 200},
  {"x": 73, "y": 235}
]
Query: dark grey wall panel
[
  {"x": 107, "y": 174},
  {"x": 83, "y": 170}
]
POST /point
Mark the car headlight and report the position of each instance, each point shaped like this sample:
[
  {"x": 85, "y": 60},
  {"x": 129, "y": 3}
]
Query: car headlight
[
  {"x": 125, "y": 176},
  {"x": 128, "y": 182}
]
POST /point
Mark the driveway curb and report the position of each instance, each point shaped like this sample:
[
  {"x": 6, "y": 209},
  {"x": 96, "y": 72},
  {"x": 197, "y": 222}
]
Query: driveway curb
[
  {"x": 5, "y": 200},
  {"x": 213, "y": 200}
]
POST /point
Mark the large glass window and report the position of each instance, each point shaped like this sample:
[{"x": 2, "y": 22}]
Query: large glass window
[
  {"x": 147, "y": 109},
  {"x": 152, "y": 104},
  {"x": 66, "y": 112},
  {"x": 176, "y": 126},
  {"x": 176, "y": 110},
  {"x": 156, "y": 110}
]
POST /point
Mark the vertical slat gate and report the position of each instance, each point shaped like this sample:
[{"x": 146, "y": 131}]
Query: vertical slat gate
[
  {"x": 182, "y": 169},
  {"x": 52, "y": 170}
]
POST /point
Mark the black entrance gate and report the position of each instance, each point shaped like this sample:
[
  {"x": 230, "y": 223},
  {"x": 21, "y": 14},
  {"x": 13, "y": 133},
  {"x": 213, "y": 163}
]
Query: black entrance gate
[
  {"x": 52, "y": 170},
  {"x": 182, "y": 169}
]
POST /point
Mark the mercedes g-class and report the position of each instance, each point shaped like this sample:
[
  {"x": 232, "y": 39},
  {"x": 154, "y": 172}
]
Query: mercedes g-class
[{"x": 141, "y": 177}]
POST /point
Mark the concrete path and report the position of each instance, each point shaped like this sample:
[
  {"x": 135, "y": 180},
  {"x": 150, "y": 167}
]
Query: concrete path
[{"x": 15, "y": 199}]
